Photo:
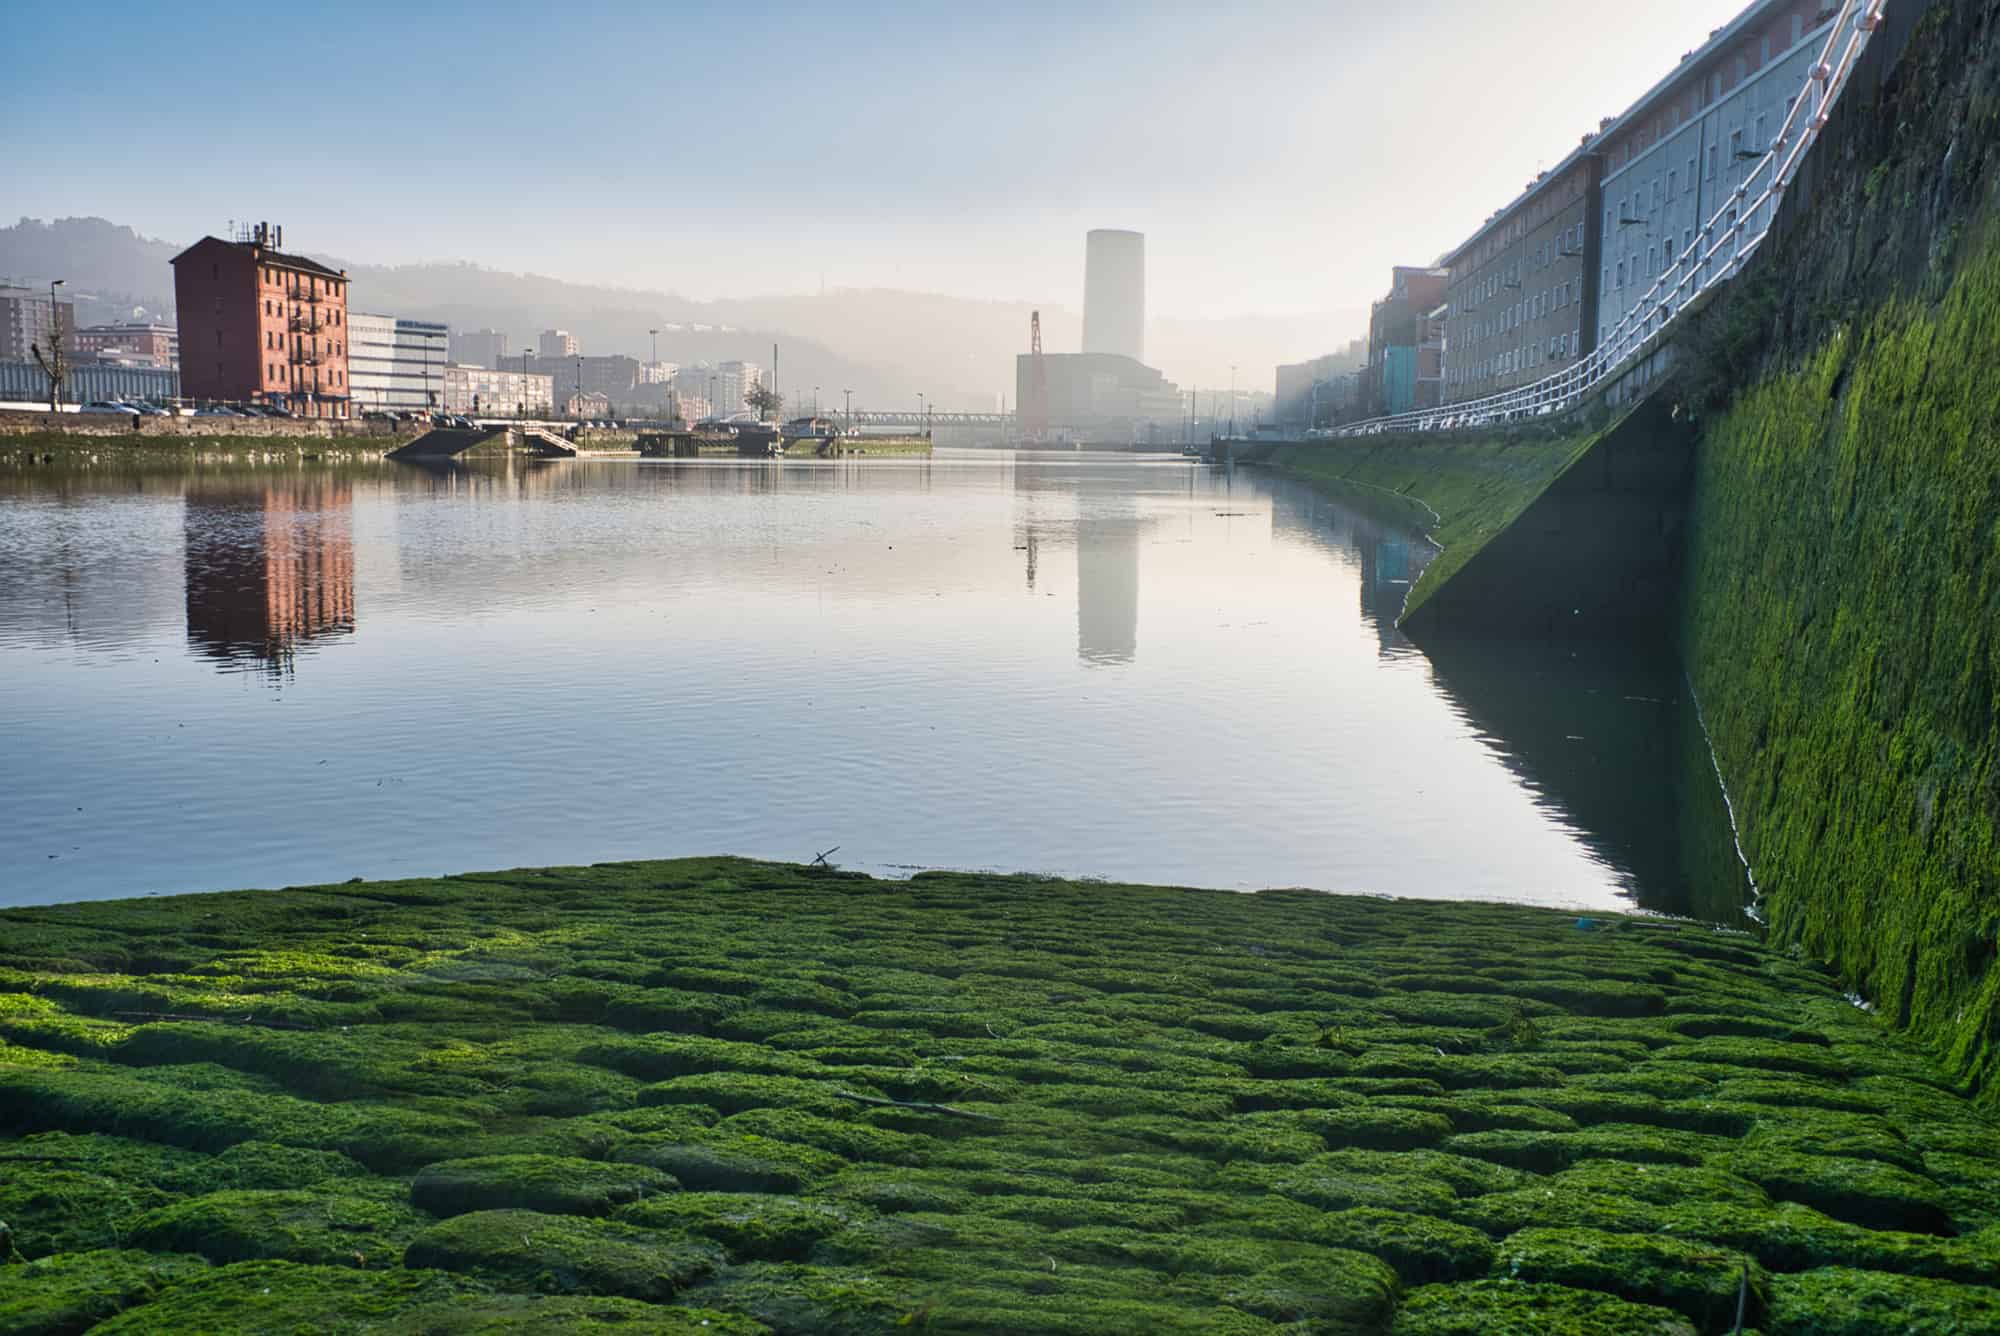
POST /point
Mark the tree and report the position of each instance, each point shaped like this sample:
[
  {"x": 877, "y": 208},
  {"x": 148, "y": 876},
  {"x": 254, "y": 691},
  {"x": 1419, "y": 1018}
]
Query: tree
[
  {"x": 54, "y": 365},
  {"x": 767, "y": 402}
]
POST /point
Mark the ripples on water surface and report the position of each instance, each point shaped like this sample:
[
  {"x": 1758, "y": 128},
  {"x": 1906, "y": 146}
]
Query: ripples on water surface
[{"x": 1094, "y": 665}]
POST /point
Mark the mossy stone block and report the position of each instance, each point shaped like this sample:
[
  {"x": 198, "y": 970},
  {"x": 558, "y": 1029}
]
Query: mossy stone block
[
  {"x": 258, "y": 1298},
  {"x": 1697, "y": 1280},
  {"x": 534, "y": 1314},
  {"x": 554, "y": 1185},
  {"x": 1511, "y": 1308},
  {"x": 1863, "y": 1192},
  {"x": 72, "y": 1292},
  {"x": 751, "y": 1226},
  {"x": 362, "y": 1224},
  {"x": 1422, "y": 1249},
  {"x": 559, "y": 1254},
  {"x": 1338, "y": 1293},
  {"x": 1840, "y": 1301}
]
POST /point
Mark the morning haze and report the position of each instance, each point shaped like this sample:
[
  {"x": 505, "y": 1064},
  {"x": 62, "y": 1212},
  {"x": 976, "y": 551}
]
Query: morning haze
[
  {"x": 1050, "y": 670},
  {"x": 950, "y": 151}
]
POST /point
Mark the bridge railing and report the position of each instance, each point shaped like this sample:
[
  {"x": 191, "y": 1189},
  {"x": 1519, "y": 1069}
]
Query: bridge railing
[{"x": 1716, "y": 255}]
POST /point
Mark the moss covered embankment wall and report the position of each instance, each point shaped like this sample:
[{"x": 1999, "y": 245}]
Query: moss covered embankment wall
[
  {"x": 1842, "y": 618},
  {"x": 1462, "y": 492},
  {"x": 1541, "y": 533}
]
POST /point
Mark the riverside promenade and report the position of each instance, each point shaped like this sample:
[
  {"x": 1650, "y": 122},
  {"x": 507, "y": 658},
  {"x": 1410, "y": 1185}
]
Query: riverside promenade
[{"x": 726, "y": 1096}]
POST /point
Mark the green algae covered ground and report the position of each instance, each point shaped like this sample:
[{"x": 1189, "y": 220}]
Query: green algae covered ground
[{"x": 735, "y": 1097}]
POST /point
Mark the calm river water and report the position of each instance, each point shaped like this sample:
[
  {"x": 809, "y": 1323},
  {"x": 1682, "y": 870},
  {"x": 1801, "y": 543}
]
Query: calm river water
[{"x": 1094, "y": 665}]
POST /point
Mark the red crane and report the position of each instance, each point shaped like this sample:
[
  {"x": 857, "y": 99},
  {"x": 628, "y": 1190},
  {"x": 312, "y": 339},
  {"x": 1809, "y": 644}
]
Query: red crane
[{"x": 1035, "y": 410}]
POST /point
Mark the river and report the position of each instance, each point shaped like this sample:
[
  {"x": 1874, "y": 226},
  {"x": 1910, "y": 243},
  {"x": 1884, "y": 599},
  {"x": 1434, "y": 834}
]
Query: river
[{"x": 1131, "y": 668}]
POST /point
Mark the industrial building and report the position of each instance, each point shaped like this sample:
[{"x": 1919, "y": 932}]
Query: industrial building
[
  {"x": 398, "y": 364},
  {"x": 25, "y": 382},
  {"x": 478, "y": 347},
  {"x": 1114, "y": 294},
  {"x": 487, "y": 391},
  {"x": 27, "y": 318},
  {"x": 1103, "y": 396},
  {"x": 259, "y": 323}
]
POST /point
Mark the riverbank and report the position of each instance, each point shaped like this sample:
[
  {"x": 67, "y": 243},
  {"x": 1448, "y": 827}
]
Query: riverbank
[
  {"x": 767, "y": 1099},
  {"x": 36, "y": 449}
]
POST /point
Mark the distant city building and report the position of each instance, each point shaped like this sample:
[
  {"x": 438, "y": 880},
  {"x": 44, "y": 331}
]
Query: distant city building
[
  {"x": 26, "y": 319},
  {"x": 587, "y": 406},
  {"x": 1103, "y": 395},
  {"x": 257, "y": 323},
  {"x": 399, "y": 364},
  {"x": 478, "y": 347},
  {"x": 1114, "y": 294},
  {"x": 722, "y": 387},
  {"x": 478, "y": 389},
  {"x": 1303, "y": 387},
  {"x": 1404, "y": 342},
  {"x": 558, "y": 343},
  {"x": 129, "y": 344},
  {"x": 658, "y": 373},
  {"x": 611, "y": 377}
]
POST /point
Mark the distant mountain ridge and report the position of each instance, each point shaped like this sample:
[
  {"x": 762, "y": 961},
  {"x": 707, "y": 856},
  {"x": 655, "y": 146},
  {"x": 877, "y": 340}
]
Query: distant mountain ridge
[{"x": 887, "y": 346}]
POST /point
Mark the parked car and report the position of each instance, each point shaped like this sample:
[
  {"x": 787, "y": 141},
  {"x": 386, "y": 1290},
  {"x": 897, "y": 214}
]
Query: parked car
[
  {"x": 216, "y": 410},
  {"x": 144, "y": 408},
  {"x": 107, "y": 406}
]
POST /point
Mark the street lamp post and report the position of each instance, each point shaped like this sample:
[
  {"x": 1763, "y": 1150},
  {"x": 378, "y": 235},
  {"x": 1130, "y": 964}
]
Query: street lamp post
[
  {"x": 848, "y": 395},
  {"x": 524, "y": 382}
]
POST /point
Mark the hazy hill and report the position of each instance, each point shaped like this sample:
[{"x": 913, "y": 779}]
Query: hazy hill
[{"x": 887, "y": 346}]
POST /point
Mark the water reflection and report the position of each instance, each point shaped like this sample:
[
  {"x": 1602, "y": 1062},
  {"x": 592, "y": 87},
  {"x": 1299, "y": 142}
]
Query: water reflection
[
  {"x": 1606, "y": 737},
  {"x": 672, "y": 656},
  {"x": 269, "y": 570}
]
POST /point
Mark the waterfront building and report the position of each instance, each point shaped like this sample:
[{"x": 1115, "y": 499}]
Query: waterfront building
[
  {"x": 259, "y": 323},
  {"x": 25, "y": 382},
  {"x": 1103, "y": 395},
  {"x": 1675, "y": 158},
  {"x": 134, "y": 344},
  {"x": 27, "y": 318},
  {"x": 722, "y": 386},
  {"x": 478, "y": 347},
  {"x": 1405, "y": 342},
  {"x": 1523, "y": 289},
  {"x": 399, "y": 364},
  {"x": 587, "y": 405},
  {"x": 487, "y": 391},
  {"x": 558, "y": 343},
  {"x": 1114, "y": 294}
]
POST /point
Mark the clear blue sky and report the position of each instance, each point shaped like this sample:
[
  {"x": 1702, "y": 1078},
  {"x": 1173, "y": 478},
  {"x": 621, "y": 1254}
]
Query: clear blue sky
[{"x": 1281, "y": 156}]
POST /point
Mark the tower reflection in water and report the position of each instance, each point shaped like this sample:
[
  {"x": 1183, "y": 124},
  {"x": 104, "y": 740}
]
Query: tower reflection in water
[{"x": 269, "y": 570}]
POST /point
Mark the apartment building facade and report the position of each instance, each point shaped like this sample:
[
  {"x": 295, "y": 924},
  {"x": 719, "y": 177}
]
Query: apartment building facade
[
  {"x": 1524, "y": 289},
  {"x": 28, "y": 318},
  {"x": 486, "y": 391},
  {"x": 1675, "y": 159},
  {"x": 260, "y": 324},
  {"x": 399, "y": 364}
]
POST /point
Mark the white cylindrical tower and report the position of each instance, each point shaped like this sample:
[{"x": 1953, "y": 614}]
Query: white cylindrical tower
[{"x": 1114, "y": 294}]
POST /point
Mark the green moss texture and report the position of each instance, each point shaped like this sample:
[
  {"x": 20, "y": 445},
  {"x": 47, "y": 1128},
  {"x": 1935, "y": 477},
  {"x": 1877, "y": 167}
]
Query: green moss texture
[
  {"x": 1847, "y": 647},
  {"x": 737, "y": 1097},
  {"x": 1463, "y": 493}
]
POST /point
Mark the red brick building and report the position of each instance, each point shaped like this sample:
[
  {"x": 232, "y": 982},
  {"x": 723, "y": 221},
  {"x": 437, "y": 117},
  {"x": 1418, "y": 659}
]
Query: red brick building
[{"x": 259, "y": 325}]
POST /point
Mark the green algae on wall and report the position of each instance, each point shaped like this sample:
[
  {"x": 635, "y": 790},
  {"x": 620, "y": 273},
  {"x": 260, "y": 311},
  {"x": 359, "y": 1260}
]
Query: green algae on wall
[
  {"x": 737, "y": 1097},
  {"x": 1461, "y": 492},
  {"x": 1844, "y": 632}
]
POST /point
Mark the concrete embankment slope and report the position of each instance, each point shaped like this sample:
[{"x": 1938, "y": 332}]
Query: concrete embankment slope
[
  {"x": 723, "y": 1096},
  {"x": 1842, "y": 619}
]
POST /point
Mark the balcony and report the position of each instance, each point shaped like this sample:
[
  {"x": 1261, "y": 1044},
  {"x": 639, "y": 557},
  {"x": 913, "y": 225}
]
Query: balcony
[
  {"x": 305, "y": 324},
  {"x": 304, "y": 357}
]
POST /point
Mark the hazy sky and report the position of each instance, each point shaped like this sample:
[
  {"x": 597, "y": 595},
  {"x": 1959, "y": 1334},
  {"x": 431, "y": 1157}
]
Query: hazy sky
[{"x": 1280, "y": 156}]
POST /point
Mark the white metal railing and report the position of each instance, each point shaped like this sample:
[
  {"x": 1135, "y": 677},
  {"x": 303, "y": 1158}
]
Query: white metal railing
[{"x": 1698, "y": 269}]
